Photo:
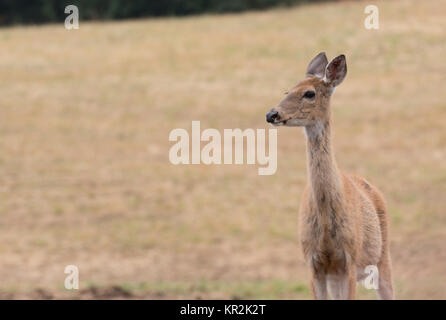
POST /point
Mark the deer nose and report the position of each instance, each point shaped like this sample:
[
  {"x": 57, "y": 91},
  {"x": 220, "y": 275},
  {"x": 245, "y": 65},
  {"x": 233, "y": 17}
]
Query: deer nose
[{"x": 271, "y": 116}]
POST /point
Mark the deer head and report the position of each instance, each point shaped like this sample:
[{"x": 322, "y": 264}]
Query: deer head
[{"x": 308, "y": 102}]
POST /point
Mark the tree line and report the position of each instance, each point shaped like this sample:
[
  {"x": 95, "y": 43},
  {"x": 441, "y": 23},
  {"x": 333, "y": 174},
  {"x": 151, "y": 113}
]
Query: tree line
[{"x": 47, "y": 11}]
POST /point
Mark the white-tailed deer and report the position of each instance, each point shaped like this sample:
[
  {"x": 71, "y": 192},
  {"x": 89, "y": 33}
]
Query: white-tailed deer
[{"x": 343, "y": 218}]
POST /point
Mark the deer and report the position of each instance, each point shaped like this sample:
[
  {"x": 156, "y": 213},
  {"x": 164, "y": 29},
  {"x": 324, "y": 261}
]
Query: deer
[{"x": 343, "y": 219}]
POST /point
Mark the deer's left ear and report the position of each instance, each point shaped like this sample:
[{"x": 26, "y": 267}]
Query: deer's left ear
[{"x": 336, "y": 71}]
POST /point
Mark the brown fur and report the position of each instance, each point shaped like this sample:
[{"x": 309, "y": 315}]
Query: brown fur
[{"x": 343, "y": 218}]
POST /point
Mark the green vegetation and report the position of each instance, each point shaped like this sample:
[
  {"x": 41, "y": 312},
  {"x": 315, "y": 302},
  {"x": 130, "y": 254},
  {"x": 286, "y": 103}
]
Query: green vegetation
[{"x": 40, "y": 11}]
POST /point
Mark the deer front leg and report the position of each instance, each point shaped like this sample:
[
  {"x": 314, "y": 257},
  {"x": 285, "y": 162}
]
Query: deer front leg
[
  {"x": 319, "y": 286},
  {"x": 342, "y": 286}
]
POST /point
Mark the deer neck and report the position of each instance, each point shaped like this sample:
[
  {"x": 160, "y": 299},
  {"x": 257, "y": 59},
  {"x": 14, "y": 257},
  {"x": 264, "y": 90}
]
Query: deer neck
[{"x": 324, "y": 176}]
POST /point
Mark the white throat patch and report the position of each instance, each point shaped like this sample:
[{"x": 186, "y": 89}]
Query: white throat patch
[{"x": 315, "y": 130}]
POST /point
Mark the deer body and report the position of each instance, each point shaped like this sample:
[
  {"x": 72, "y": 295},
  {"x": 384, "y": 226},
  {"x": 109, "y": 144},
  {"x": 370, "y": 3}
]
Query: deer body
[{"x": 343, "y": 218}]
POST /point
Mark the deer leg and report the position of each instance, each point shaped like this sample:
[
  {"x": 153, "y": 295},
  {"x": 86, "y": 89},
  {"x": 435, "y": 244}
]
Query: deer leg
[
  {"x": 319, "y": 287},
  {"x": 385, "y": 286},
  {"x": 352, "y": 284},
  {"x": 342, "y": 286}
]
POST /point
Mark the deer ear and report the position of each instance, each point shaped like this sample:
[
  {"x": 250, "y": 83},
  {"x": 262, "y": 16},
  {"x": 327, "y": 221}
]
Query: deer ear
[
  {"x": 336, "y": 71},
  {"x": 316, "y": 68}
]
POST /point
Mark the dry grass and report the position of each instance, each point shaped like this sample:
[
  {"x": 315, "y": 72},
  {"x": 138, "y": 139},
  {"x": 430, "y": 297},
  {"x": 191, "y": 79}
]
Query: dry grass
[{"x": 84, "y": 171}]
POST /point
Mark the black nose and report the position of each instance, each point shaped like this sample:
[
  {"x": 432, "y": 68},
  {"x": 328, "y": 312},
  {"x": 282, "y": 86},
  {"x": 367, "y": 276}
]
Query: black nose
[{"x": 271, "y": 116}]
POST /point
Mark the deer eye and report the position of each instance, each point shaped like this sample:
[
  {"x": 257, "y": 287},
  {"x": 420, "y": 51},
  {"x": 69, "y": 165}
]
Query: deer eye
[{"x": 309, "y": 94}]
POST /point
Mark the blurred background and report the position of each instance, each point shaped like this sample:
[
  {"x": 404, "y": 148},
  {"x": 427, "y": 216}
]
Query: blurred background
[{"x": 85, "y": 116}]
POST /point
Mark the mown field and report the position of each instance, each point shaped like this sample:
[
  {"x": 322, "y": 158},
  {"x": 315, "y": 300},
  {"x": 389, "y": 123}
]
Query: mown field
[{"x": 85, "y": 177}]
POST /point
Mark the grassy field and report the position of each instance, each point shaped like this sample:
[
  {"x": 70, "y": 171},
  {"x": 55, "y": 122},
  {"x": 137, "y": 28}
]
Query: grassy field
[{"x": 85, "y": 177}]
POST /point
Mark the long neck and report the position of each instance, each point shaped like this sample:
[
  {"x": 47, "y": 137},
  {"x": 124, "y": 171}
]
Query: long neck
[{"x": 324, "y": 176}]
